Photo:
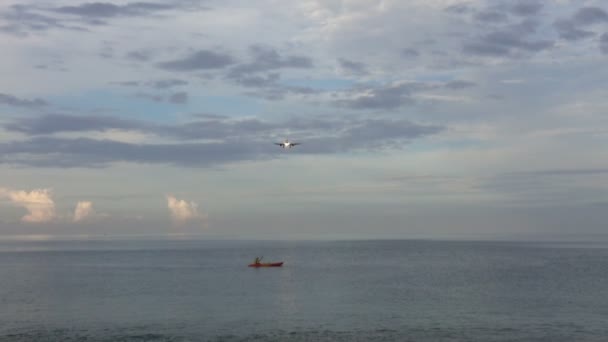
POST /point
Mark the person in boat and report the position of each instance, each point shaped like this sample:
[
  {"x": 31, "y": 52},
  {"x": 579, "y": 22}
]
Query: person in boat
[{"x": 257, "y": 260}]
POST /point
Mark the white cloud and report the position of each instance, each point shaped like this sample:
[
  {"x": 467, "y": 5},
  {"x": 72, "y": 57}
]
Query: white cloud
[
  {"x": 83, "y": 210},
  {"x": 38, "y": 203},
  {"x": 182, "y": 211}
]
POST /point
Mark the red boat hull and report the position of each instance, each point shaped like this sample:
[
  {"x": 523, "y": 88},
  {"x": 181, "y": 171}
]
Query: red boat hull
[{"x": 267, "y": 264}]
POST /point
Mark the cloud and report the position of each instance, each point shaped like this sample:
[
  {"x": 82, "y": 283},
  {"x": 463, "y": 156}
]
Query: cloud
[
  {"x": 25, "y": 19},
  {"x": 127, "y": 83},
  {"x": 459, "y": 8},
  {"x": 386, "y": 131},
  {"x": 526, "y": 8},
  {"x": 259, "y": 81},
  {"x": 385, "y": 97},
  {"x": 109, "y": 10},
  {"x": 569, "y": 31},
  {"x": 510, "y": 41},
  {"x": 55, "y": 123},
  {"x": 168, "y": 83},
  {"x": 85, "y": 152},
  {"x": 178, "y": 98},
  {"x": 175, "y": 98},
  {"x": 490, "y": 16},
  {"x": 604, "y": 43},
  {"x": 83, "y": 210},
  {"x": 21, "y": 20},
  {"x": 459, "y": 84},
  {"x": 571, "y": 28},
  {"x": 10, "y": 100},
  {"x": 546, "y": 185},
  {"x": 206, "y": 128},
  {"x": 278, "y": 92},
  {"x": 561, "y": 172},
  {"x": 352, "y": 67},
  {"x": 261, "y": 73},
  {"x": 107, "y": 50},
  {"x": 265, "y": 58},
  {"x": 151, "y": 97},
  {"x": 216, "y": 141},
  {"x": 158, "y": 84},
  {"x": 200, "y": 60},
  {"x": 182, "y": 211},
  {"x": 268, "y": 87},
  {"x": 590, "y": 15},
  {"x": 410, "y": 53},
  {"x": 38, "y": 203},
  {"x": 139, "y": 55}
]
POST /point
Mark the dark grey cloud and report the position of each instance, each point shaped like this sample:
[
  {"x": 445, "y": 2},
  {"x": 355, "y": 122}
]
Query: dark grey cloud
[
  {"x": 10, "y": 100},
  {"x": 84, "y": 152},
  {"x": 279, "y": 92},
  {"x": 262, "y": 73},
  {"x": 385, "y": 97},
  {"x": 55, "y": 123},
  {"x": 259, "y": 81},
  {"x": 127, "y": 83},
  {"x": 589, "y": 16},
  {"x": 168, "y": 83},
  {"x": 569, "y": 31},
  {"x": 178, "y": 98},
  {"x": 526, "y": 8},
  {"x": 409, "y": 53},
  {"x": 220, "y": 128},
  {"x": 107, "y": 10},
  {"x": 491, "y": 16},
  {"x": 265, "y": 58},
  {"x": 21, "y": 19},
  {"x": 459, "y": 84},
  {"x": 206, "y": 127},
  {"x": 510, "y": 41},
  {"x": 157, "y": 84},
  {"x": 26, "y": 19},
  {"x": 352, "y": 67},
  {"x": 572, "y": 28},
  {"x": 604, "y": 43},
  {"x": 200, "y": 60},
  {"x": 233, "y": 140}
]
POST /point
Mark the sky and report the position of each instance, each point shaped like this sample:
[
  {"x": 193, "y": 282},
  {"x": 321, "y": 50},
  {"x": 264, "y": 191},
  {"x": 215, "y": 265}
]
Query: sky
[{"x": 421, "y": 118}]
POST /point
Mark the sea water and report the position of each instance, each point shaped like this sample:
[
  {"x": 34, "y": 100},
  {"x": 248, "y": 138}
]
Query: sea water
[{"x": 401, "y": 290}]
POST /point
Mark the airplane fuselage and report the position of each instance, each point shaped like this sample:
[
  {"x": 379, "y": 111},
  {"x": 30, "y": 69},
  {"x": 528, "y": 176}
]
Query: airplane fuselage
[{"x": 287, "y": 144}]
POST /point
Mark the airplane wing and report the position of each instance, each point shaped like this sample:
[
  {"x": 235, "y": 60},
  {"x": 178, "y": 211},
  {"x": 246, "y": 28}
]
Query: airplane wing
[
  {"x": 294, "y": 144},
  {"x": 280, "y": 144}
]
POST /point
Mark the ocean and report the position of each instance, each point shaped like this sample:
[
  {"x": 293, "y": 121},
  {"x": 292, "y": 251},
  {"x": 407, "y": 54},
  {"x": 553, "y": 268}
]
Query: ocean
[{"x": 398, "y": 290}]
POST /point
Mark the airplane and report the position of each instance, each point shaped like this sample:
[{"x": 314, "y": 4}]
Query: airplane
[{"x": 287, "y": 144}]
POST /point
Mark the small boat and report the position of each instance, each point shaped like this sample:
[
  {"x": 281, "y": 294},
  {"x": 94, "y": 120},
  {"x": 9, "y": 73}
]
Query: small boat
[{"x": 266, "y": 264}]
